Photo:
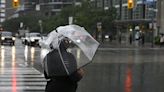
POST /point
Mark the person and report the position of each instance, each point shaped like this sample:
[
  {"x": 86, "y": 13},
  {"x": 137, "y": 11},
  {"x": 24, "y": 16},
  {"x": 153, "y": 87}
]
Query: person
[
  {"x": 137, "y": 38},
  {"x": 161, "y": 40},
  {"x": 130, "y": 39},
  {"x": 58, "y": 79}
]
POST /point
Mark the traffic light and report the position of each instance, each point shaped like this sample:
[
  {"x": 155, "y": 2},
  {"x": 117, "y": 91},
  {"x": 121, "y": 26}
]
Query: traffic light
[
  {"x": 130, "y": 4},
  {"x": 15, "y": 3}
]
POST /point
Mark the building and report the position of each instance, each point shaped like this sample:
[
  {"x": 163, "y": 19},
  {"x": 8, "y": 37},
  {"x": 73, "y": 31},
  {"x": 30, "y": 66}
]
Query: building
[
  {"x": 53, "y": 7},
  {"x": 2, "y": 10},
  {"x": 144, "y": 10},
  {"x": 160, "y": 18},
  {"x": 6, "y": 10},
  {"x": 46, "y": 7},
  {"x": 143, "y": 17}
]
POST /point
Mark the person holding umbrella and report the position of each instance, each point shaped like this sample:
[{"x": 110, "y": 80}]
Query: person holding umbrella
[
  {"x": 62, "y": 82},
  {"x": 62, "y": 64}
]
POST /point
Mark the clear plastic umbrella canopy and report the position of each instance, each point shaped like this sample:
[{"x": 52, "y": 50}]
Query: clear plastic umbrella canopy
[
  {"x": 86, "y": 44},
  {"x": 83, "y": 51}
]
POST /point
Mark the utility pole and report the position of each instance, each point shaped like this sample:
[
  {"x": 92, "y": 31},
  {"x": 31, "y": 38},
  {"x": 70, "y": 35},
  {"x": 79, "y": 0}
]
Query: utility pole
[
  {"x": 120, "y": 10},
  {"x": 158, "y": 16},
  {"x": 130, "y": 8},
  {"x": 143, "y": 9},
  {"x": 153, "y": 16}
]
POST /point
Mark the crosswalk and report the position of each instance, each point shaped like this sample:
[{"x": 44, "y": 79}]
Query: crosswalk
[{"x": 25, "y": 79}]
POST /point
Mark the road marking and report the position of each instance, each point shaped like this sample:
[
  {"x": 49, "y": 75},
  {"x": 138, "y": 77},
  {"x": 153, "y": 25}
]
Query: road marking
[{"x": 25, "y": 79}]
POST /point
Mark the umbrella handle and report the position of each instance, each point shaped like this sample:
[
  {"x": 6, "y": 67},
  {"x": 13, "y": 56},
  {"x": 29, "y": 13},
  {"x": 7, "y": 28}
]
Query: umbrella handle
[{"x": 63, "y": 62}]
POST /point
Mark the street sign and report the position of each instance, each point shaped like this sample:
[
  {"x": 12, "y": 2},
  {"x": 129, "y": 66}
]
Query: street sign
[
  {"x": 37, "y": 8},
  {"x": 15, "y": 3},
  {"x": 70, "y": 20}
]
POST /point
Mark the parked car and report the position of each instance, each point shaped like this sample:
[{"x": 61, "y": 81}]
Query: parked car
[
  {"x": 7, "y": 37},
  {"x": 31, "y": 39}
]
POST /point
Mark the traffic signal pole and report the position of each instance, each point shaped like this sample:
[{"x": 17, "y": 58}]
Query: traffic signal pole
[
  {"x": 130, "y": 8},
  {"x": 153, "y": 16}
]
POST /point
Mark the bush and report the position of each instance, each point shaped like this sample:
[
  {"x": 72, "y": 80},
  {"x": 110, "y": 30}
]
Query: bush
[{"x": 157, "y": 40}]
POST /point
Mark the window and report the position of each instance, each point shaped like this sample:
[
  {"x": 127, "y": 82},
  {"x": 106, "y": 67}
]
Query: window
[
  {"x": 2, "y": 14},
  {"x": 3, "y": 1}
]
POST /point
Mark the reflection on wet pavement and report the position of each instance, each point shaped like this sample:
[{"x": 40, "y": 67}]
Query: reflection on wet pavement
[
  {"x": 128, "y": 80},
  {"x": 15, "y": 75},
  {"x": 129, "y": 70},
  {"x": 112, "y": 70}
]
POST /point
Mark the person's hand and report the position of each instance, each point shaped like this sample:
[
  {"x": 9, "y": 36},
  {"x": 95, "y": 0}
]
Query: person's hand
[{"x": 81, "y": 72}]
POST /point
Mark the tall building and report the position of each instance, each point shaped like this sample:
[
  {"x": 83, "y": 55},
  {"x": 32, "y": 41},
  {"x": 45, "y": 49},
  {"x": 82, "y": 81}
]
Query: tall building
[
  {"x": 45, "y": 7},
  {"x": 143, "y": 11},
  {"x": 6, "y": 10},
  {"x": 53, "y": 7},
  {"x": 2, "y": 10},
  {"x": 160, "y": 18}
]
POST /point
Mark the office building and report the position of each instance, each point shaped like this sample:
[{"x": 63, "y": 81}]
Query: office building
[
  {"x": 2, "y": 10},
  {"x": 46, "y": 7},
  {"x": 6, "y": 10},
  {"x": 160, "y": 17},
  {"x": 53, "y": 7}
]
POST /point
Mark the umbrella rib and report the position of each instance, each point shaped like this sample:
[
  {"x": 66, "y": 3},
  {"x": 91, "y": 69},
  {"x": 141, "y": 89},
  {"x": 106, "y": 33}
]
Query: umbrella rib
[{"x": 63, "y": 61}]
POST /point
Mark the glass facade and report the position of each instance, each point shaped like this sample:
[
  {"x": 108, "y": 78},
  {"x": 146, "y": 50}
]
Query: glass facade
[
  {"x": 2, "y": 11},
  {"x": 137, "y": 12},
  {"x": 140, "y": 11},
  {"x": 55, "y": 6}
]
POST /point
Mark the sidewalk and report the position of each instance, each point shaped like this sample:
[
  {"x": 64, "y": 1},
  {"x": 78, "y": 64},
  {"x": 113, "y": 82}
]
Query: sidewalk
[{"x": 116, "y": 44}]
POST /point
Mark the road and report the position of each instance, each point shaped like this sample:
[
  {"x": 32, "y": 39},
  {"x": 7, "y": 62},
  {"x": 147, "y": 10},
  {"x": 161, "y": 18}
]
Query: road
[
  {"x": 125, "y": 70},
  {"x": 17, "y": 72},
  {"x": 112, "y": 70}
]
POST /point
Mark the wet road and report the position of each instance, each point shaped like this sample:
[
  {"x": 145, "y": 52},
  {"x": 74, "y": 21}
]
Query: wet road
[
  {"x": 17, "y": 73},
  {"x": 112, "y": 70},
  {"x": 125, "y": 70}
]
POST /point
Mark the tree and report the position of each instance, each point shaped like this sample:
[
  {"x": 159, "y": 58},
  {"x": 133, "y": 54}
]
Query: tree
[{"x": 29, "y": 21}]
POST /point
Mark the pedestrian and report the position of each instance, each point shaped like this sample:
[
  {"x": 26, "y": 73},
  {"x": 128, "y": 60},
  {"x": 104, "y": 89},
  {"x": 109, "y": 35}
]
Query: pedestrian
[
  {"x": 63, "y": 82},
  {"x": 137, "y": 38},
  {"x": 120, "y": 38},
  {"x": 130, "y": 39},
  {"x": 142, "y": 39},
  {"x": 161, "y": 40}
]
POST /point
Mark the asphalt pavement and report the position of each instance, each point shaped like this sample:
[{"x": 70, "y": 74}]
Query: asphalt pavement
[
  {"x": 116, "y": 44},
  {"x": 115, "y": 68}
]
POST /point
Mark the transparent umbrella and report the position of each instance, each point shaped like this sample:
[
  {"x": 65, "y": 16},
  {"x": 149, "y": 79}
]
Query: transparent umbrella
[
  {"x": 83, "y": 51},
  {"x": 86, "y": 44}
]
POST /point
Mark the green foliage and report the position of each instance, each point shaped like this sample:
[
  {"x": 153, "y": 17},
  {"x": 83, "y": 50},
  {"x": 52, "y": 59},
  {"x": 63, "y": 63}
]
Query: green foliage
[
  {"x": 157, "y": 40},
  {"x": 11, "y": 25},
  {"x": 29, "y": 21}
]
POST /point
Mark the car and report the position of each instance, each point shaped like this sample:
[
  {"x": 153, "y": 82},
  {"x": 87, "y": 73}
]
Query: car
[
  {"x": 32, "y": 39},
  {"x": 7, "y": 37}
]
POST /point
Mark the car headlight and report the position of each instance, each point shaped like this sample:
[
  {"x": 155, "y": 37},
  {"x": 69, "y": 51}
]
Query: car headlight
[
  {"x": 78, "y": 41},
  {"x": 106, "y": 36},
  {"x": 32, "y": 40},
  {"x": 13, "y": 38},
  {"x": 2, "y": 38}
]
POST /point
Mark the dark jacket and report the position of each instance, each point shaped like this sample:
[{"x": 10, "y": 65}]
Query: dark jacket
[{"x": 60, "y": 81}]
